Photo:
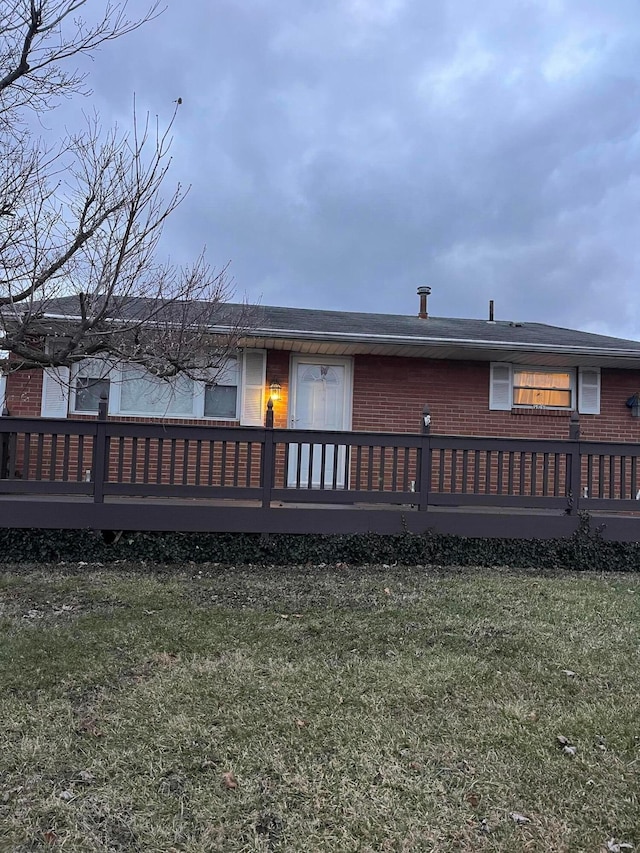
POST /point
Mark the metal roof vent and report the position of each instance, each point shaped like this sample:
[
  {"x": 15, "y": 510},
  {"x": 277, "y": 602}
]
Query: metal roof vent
[{"x": 423, "y": 292}]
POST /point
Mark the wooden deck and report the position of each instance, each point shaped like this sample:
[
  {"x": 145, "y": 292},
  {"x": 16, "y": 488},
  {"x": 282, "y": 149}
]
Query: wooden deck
[
  {"x": 241, "y": 516},
  {"x": 111, "y": 475}
]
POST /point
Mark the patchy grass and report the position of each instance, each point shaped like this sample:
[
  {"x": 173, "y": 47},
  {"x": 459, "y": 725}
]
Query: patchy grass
[{"x": 318, "y": 709}]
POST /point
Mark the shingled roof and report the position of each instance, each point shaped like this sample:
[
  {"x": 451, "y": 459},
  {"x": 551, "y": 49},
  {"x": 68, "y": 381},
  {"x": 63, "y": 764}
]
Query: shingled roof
[
  {"x": 348, "y": 324},
  {"x": 349, "y": 332}
]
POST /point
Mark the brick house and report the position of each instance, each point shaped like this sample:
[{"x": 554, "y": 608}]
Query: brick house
[{"x": 372, "y": 372}]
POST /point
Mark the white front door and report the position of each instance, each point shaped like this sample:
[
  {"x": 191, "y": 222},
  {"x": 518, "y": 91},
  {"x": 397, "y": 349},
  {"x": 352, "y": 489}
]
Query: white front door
[{"x": 320, "y": 399}]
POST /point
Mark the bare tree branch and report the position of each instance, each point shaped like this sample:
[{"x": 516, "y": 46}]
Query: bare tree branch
[
  {"x": 37, "y": 35},
  {"x": 80, "y": 222}
]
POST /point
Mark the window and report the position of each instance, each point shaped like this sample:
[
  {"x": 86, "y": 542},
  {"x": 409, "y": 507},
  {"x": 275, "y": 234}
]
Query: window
[
  {"x": 233, "y": 392},
  {"x": 88, "y": 391},
  {"x": 221, "y": 401},
  {"x": 514, "y": 386},
  {"x": 141, "y": 393},
  {"x": 543, "y": 388},
  {"x": 90, "y": 381},
  {"x": 221, "y": 396}
]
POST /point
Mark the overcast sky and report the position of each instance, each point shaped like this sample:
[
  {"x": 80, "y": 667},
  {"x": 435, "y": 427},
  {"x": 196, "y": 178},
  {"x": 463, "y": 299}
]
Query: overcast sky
[{"x": 343, "y": 152}]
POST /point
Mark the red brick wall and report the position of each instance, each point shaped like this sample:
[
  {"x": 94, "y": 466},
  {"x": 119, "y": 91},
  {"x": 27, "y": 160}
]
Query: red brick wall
[
  {"x": 278, "y": 371},
  {"x": 24, "y": 393},
  {"x": 389, "y": 394}
]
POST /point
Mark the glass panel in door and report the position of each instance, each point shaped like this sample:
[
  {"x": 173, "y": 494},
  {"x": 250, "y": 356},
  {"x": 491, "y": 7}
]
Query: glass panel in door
[{"x": 319, "y": 405}]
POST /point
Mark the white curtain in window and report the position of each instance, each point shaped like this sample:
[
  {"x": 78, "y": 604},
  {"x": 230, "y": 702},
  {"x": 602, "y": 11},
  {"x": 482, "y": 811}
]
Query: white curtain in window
[
  {"x": 144, "y": 394},
  {"x": 541, "y": 379}
]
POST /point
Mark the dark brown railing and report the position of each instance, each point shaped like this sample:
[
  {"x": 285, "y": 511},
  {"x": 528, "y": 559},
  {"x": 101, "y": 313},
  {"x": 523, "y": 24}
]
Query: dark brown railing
[{"x": 102, "y": 461}]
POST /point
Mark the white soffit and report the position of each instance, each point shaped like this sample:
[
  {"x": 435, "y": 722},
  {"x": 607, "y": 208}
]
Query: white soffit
[{"x": 449, "y": 351}]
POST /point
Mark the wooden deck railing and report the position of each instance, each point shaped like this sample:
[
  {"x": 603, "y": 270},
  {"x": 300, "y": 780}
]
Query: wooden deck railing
[{"x": 103, "y": 460}]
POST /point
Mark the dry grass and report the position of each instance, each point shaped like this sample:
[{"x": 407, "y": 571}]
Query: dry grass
[{"x": 379, "y": 709}]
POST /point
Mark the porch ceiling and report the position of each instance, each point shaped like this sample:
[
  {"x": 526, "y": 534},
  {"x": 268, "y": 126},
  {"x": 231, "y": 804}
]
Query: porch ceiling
[{"x": 455, "y": 350}]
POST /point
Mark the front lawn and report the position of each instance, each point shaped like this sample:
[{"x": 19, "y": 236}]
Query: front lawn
[{"x": 318, "y": 709}]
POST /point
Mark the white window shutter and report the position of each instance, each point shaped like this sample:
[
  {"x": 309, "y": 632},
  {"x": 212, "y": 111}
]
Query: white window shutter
[
  {"x": 3, "y": 388},
  {"x": 55, "y": 392},
  {"x": 500, "y": 387},
  {"x": 254, "y": 371},
  {"x": 589, "y": 390}
]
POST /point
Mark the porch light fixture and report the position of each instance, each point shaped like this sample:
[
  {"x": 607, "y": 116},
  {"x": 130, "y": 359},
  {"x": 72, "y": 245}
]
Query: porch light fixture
[
  {"x": 274, "y": 390},
  {"x": 633, "y": 403},
  {"x": 426, "y": 419}
]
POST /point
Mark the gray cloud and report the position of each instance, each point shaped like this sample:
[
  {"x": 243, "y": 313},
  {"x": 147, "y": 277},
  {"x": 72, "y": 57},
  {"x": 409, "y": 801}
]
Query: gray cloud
[{"x": 340, "y": 154}]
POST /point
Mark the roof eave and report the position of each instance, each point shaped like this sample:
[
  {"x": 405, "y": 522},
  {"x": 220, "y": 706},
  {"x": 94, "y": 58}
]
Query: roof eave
[
  {"x": 469, "y": 346},
  {"x": 461, "y": 344}
]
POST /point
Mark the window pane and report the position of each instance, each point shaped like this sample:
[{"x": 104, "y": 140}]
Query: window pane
[
  {"x": 88, "y": 393},
  {"x": 544, "y": 388},
  {"x": 541, "y": 397},
  {"x": 227, "y": 373},
  {"x": 220, "y": 401},
  {"x": 541, "y": 379},
  {"x": 144, "y": 394},
  {"x": 96, "y": 367}
]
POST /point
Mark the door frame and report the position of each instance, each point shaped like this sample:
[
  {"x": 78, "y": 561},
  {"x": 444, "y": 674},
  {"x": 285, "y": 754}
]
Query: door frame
[{"x": 296, "y": 360}]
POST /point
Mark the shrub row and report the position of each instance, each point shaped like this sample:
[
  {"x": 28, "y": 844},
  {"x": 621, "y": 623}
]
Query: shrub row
[{"x": 586, "y": 550}]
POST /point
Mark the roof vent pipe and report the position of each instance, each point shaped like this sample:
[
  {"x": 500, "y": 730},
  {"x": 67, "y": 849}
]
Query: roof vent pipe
[
  {"x": 491, "y": 320},
  {"x": 423, "y": 292}
]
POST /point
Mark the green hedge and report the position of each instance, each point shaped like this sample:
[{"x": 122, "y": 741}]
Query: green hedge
[{"x": 586, "y": 550}]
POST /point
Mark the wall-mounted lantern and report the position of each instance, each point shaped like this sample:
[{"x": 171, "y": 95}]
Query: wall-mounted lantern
[
  {"x": 426, "y": 419},
  {"x": 633, "y": 403},
  {"x": 274, "y": 390}
]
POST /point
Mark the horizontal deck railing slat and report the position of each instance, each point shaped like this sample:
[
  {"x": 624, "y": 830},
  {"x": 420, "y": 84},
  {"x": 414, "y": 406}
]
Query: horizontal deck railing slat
[
  {"x": 470, "y": 500},
  {"x": 152, "y": 490},
  {"x": 345, "y": 496},
  {"x": 44, "y": 487}
]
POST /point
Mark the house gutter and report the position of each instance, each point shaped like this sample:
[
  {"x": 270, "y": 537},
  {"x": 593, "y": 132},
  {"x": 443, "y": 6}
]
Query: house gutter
[{"x": 464, "y": 343}]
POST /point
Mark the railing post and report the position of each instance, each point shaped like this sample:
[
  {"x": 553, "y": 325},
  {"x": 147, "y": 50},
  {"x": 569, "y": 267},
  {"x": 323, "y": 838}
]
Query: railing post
[
  {"x": 575, "y": 476},
  {"x": 100, "y": 451},
  {"x": 12, "y": 456},
  {"x": 425, "y": 460},
  {"x": 5, "y": 449},
  {"x": 574, "y": 427},
  {"x": 4, "y": 455},
  {"x": 268, "y": 453}
]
